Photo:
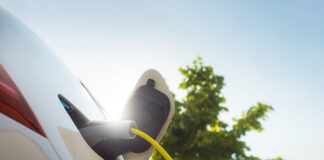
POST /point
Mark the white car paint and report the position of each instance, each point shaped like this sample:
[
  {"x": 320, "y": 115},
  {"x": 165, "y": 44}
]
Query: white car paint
[{"x": 40, "y": 77}]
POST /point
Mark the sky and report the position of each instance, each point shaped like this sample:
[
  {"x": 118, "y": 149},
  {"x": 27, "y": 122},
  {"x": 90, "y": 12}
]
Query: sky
[{"x": 269, "y": 51}]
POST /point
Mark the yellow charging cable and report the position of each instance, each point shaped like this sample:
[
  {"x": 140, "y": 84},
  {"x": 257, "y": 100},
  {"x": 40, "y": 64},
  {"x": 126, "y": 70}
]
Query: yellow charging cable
[{"x": 152, "y": 141}]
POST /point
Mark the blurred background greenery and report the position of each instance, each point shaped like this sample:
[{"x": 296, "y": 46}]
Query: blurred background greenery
[{"x": 196, "y": 131}]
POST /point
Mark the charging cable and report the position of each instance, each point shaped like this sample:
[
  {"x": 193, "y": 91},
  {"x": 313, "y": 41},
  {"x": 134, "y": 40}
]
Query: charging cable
[{"x": 152, "y": 141}]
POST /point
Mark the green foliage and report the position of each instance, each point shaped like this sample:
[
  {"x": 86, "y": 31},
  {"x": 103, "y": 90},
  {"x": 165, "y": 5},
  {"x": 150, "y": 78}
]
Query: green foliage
[{"x": 196, "y": 132}]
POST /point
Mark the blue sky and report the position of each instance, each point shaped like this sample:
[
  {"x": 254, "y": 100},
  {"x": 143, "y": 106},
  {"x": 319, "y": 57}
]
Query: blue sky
[{"x": 269, "y": 51}]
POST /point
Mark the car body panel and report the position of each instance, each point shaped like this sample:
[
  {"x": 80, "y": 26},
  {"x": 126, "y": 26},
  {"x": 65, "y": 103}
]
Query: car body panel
[{"x": 40, "y": 76}]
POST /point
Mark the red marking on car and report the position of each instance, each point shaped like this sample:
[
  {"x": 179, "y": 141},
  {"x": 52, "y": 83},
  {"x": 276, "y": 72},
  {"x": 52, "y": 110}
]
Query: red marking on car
[
  {"x": 14, "y": 105},
  {"x": 6, "y": 88}
]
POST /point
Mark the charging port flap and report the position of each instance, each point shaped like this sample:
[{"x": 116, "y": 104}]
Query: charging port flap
[{"x": 151, "y": 106}]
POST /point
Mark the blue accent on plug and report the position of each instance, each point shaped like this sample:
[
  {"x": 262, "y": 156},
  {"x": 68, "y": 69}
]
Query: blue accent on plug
[{"x": 65, "y": 105}]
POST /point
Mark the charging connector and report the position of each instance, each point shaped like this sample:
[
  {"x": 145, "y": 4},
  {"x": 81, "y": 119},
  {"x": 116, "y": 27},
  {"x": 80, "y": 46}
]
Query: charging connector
[
  {"x": 110, "y": 139},
  {"x": 96, "y": 131}
]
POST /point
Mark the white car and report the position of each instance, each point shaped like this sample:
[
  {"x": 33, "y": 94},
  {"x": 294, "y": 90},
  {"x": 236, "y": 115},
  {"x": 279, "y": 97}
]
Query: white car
[{"x": 47, "y": 113}]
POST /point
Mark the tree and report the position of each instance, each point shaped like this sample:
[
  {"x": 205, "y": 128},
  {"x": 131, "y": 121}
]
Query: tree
[{"x": 196, "y": 132}]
